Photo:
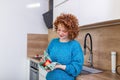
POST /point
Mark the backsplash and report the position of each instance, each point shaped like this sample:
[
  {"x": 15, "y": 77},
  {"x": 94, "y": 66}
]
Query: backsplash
[
  {"x": 36, "y": 44},
  {"x": 105, "y": 37}
]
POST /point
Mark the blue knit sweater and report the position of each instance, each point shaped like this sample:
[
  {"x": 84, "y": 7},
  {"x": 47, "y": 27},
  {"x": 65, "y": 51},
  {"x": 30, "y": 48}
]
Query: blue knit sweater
[{"x": 66, "y": 53}]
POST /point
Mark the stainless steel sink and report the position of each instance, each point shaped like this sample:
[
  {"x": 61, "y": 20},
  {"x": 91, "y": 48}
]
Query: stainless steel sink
[
  {"x": 89, "y": 70},
  {"x": 83, "y": 72}
]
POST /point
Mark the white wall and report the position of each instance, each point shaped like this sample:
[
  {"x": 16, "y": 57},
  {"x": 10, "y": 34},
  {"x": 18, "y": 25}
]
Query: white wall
[
  {"x": 16, "y": 21},
  {"x": 89, "y": 11}
]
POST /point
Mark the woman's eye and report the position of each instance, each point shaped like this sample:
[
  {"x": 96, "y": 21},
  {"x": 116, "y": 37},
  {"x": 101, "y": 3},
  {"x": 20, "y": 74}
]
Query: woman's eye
[
  {"x": 58, "y": 30},
  {"x": 64, "y": 31}
]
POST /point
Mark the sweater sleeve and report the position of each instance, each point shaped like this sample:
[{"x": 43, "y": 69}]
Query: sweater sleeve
[{"x": 75, "y": 67}]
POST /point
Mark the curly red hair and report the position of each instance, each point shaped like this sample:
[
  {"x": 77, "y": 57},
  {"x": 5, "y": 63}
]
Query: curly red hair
[{"x": 70, "y": 22}]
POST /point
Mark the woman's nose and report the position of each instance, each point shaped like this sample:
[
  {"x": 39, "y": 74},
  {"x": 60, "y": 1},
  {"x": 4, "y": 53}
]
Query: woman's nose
[{"x": 60, "y": 32}]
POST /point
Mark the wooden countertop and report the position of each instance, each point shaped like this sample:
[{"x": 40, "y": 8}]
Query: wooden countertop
[
  {"x": 37, "y": 60},
  {"x": 106, "y": 75}
]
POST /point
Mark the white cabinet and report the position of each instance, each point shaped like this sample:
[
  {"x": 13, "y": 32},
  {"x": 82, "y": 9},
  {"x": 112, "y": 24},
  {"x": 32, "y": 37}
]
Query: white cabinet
[{"x": 42, "y": 74}]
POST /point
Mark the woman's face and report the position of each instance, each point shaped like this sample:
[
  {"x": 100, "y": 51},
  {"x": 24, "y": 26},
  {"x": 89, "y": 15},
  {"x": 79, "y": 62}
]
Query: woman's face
[{"x": 62, "y": 33}]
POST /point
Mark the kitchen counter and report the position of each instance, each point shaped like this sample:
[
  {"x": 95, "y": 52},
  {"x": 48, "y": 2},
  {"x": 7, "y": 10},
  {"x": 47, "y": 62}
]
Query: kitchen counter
[
  {"x": 106, "y": 75},
  {"x": 37, "y": 60}
]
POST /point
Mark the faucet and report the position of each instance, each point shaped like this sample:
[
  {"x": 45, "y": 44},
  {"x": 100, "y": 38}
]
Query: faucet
[{"x": 89, "y": 48}]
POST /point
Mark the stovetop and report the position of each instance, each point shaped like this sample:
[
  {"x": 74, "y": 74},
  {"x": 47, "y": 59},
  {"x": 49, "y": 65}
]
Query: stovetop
[{"x": 37, "y": 58}]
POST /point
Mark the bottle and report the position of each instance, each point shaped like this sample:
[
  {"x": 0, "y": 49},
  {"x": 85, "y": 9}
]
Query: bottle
[{"x": 113, "y": 62}]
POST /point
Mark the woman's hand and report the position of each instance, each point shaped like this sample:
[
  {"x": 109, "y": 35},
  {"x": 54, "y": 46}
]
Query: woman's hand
[
  {"x": 48, "y": 70},
  {"x": 60, "y": 66}
]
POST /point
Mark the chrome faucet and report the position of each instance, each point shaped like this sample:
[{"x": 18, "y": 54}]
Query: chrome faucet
[{"x": 89, "y": 48}]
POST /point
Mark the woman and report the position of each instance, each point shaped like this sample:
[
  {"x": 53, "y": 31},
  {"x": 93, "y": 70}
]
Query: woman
[{"x": 65, "y": 49}]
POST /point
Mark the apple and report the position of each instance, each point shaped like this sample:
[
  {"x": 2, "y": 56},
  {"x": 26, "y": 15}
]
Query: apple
[{"x": 46, "y": 62}]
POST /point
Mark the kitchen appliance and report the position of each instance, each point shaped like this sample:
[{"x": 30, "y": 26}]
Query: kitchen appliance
[
  {"x": 34, "y": 70},
  {"x": 48, "y": 18}
]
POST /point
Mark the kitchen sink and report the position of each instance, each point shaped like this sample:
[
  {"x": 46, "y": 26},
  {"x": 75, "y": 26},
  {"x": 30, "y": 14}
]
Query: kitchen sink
[
  {"x": 89, "y": 70},
  {"x": 83, "y": 72}
]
